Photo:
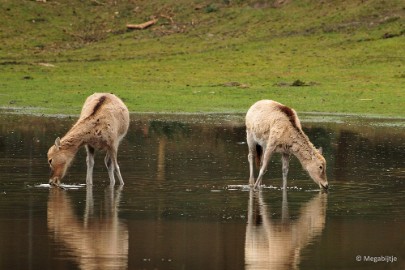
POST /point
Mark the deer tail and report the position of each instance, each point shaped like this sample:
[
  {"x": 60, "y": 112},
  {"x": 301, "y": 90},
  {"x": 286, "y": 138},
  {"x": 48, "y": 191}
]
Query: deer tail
[{"x": 258, "y": 156}]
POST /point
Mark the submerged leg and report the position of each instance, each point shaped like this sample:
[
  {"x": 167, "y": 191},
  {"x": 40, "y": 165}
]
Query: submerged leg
[
  {"x": 285, "y": 160},
  {"x": 116, "y": 166},
  {"x": 90, "y": 164},
  {"x": 113, "y": 167},
  {"x": 117, "y": 171},
  {"x": 251, "y": 156},
  {"x": 266, "y": 158},
  {"x": 110, "y": 168}
]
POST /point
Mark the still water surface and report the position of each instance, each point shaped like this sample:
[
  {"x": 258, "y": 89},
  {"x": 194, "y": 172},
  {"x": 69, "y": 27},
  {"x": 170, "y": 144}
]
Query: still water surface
[{"x": 185, "y": 203}]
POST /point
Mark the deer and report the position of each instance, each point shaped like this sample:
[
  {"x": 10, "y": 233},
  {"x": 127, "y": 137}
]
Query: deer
[
  {"x": 272, "y": 127},
  {"x": 103, "y": 123}
]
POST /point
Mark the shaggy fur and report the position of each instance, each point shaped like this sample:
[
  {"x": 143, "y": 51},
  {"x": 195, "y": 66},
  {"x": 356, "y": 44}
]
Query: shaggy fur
[
  {"x": 102, "y": 124},
  {"x": 274, "y": 127}
]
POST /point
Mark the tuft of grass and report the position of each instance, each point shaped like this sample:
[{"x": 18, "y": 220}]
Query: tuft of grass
[{"x": 203, "y": 56}]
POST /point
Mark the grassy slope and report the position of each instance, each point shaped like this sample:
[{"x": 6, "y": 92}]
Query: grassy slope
[{"x": 187, "y": 64}]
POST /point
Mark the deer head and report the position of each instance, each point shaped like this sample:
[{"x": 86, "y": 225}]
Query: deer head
[
  {"x": 59, "y": 160},
  {"x": 317, "y": 169}
]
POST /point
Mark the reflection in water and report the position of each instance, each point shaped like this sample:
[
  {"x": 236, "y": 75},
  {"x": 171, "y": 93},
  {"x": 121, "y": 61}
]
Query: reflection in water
[
  {"x": 94, "y": 243},
  {"x": 278, "y": 245},
  {"x": 161, "y": 164},
  {"x": 176, "y": 205}
]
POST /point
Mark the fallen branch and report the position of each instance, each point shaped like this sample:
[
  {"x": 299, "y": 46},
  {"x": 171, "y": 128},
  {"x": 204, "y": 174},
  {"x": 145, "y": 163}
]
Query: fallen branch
[{"x": 142, "y": 25}]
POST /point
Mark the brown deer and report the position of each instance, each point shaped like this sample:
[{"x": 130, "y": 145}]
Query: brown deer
[
  {"x": 273, "y": 127},
  {"x": 102, "y": 124}
]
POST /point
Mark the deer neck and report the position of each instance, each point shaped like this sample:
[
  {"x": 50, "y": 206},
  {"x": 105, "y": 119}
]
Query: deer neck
[
  {"x": 302, "y": 148},
  {"x": 75, "y": 138}
]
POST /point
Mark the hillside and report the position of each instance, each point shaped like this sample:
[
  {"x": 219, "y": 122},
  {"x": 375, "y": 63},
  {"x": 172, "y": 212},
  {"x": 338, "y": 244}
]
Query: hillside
[{"x": 212, "y": 56}]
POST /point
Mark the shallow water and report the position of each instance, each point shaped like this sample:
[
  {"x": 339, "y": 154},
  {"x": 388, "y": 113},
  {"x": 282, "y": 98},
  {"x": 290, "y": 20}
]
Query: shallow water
[{"x": 186, "y": 203}]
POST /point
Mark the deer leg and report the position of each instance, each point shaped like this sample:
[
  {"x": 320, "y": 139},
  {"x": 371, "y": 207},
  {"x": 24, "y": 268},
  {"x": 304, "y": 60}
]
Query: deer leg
[
  {"x": 110, "y": 168},
  {"x": 117, "y": 171},
  {"x": 285, "y": 159},
  {"x": 114, "y": 167},
  {"x": 252, "y": 151},
  {"x": 90, "y": 164},
  {"x": 266, "y": 158}
]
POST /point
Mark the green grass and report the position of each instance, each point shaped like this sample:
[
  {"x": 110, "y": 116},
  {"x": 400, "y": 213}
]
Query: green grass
[{"x": 337, "y": 48}]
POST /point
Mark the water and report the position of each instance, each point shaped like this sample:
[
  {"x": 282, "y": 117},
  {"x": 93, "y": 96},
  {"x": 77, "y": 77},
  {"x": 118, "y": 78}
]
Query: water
[{"x": 186, "y": 203}]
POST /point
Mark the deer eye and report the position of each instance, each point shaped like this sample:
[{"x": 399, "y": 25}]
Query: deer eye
[
  {"x": 50, "y": 161},
  {"x": 320, "y": 167}
]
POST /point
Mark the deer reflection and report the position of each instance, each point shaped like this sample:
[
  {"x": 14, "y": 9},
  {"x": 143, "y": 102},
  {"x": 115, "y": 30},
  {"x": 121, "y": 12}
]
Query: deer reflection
[
  {"x": 161, "y": 160},
  {"x": 96, "y": 241},
  {"x": 277, "y": 245}
]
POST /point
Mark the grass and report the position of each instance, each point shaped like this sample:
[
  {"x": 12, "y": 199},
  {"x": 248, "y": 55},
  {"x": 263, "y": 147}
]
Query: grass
[{"x": 211, "y": 57}]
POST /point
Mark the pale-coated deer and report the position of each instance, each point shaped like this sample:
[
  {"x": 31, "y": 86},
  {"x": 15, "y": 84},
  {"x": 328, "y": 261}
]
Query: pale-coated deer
[
  {"x": 103, "y": 122},
  {"x": 274, "y": 127}
]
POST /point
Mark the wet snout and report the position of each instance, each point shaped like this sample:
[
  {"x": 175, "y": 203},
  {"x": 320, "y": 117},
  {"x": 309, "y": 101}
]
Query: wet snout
[
  {"x": 55, "y": 181},
  {"x": 57, "y": 173},
  {"x": 54, "y": 178},
  {"x": 324, "y": 186}
]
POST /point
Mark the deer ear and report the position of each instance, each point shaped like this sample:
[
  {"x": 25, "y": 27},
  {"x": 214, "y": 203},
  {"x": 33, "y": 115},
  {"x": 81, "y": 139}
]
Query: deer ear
[
  {"x": 320, "y": 150},
  {"x": 57, "y": 143}
]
